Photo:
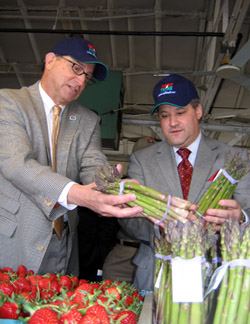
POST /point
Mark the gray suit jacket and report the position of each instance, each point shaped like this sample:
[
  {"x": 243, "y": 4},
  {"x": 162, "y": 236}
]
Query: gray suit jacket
[
  {"x": 28, "y": 187},
  {"x": 156, "y": 167}
]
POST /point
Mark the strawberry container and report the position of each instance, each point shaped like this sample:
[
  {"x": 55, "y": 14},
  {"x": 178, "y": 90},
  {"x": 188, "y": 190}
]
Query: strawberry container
[
  {"x": 8, "y": 321},
  {"x": 146, "y": 315}
]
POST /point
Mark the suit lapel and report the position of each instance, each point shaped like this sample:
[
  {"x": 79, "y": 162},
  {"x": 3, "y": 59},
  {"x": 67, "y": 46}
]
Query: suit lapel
[
  {"x": 69, "y": 123},
  {"x": 205, "y": 160},
  {"x": 39, "y": 108},
  {"x": 167, "y": 165}
]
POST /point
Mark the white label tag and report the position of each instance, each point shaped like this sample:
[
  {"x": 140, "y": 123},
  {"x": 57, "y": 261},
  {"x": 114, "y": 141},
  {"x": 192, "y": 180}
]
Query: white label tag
[
  {"x": 187, "y": 280},
  {"x": 158, "y": 280},
  {"x": 216, "y": 279}
]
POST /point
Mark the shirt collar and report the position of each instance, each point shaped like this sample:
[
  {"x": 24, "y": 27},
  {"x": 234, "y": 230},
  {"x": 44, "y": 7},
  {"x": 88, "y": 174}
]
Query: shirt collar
[
  {"x": 192, "y": 147},
  {"x": 47, "y": 101}
]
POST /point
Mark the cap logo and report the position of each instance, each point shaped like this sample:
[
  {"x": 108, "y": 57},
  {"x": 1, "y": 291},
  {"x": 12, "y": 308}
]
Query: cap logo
[
  {"x": 166, "y": 88},
  {"x": 91, "y": 50}
]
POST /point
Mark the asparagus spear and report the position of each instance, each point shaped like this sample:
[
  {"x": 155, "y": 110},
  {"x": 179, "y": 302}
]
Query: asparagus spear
[
  {"x": 235, "y": 240},
  {"x": 223, "y": 286},
  {"x": 185, "y": 253},
  {"x": 244, "y": 299}
]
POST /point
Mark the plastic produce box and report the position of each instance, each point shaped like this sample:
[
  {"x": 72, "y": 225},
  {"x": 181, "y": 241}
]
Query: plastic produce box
[
  {"x": 8, "y": 321},
  {"x": 146, "y": 316}
]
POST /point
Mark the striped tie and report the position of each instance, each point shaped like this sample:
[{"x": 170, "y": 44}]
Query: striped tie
[{"x": 58, "y": 224}]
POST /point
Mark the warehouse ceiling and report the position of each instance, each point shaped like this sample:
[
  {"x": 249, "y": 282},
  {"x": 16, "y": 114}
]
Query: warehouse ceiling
[{"x": 206, "y": 41}]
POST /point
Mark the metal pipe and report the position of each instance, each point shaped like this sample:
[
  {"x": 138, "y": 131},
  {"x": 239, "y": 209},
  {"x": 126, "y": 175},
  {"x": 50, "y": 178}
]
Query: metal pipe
[{"x": 110, "y": 32}]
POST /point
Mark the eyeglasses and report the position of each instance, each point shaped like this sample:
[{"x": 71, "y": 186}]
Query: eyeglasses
[{"x": 78, "y": 70}]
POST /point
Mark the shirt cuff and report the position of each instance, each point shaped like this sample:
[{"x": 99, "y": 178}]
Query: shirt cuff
[
  {"x": 62, "y": 200},
  {"x": 246, "y": 218}
]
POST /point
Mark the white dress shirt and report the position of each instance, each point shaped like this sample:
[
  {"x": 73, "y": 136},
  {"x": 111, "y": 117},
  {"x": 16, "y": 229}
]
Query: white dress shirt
[
  {"x": 48, "y": 104},
  {"x": 192, "y": 147}
]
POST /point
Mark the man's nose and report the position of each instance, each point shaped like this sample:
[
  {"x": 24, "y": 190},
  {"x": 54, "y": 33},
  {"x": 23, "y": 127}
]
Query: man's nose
[{"x": 173, "y": 120}]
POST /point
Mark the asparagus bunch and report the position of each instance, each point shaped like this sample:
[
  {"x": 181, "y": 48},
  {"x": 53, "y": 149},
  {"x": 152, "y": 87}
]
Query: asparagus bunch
[
  {"x": 222, "y": 187},
  {"x": 186, "y": 241},
  {"x": 234, "y": 292},
  {"x": 161, "y": 281},
  {"x": 155, "y": 204}
]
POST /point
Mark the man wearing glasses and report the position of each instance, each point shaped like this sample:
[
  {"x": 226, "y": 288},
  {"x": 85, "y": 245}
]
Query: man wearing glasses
[{"x": 36, "y": 193}]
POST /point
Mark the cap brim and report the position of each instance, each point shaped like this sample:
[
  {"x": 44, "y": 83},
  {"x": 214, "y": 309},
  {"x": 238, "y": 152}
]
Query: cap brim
[
  {"x": 165, "y": 103},
  {"x": 101, "y": 70}
]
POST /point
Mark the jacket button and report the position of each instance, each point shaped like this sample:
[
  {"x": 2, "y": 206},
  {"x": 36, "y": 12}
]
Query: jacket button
[
  {"x": 40, "y": 248},
  {"x": 48, "y": 203}
]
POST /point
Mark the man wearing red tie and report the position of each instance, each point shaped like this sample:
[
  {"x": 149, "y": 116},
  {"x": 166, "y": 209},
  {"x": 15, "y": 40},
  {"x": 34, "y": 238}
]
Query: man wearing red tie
[{"x": 181, "y": 166}]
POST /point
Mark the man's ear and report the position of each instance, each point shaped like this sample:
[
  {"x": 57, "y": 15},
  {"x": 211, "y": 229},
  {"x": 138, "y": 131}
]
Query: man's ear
[
  {"x": 198, "y": 110},
  {"x": 49, "y": 59}
]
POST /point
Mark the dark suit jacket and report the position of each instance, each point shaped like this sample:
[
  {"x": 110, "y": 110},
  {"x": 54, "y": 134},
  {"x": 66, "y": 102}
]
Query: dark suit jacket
[
  {"x": 28, "y": 187},
  {"x": 156, "y": 167}
]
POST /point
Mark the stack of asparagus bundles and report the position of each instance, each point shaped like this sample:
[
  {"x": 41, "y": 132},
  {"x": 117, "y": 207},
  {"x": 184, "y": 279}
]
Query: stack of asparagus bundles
[
  {"x": 190, "y": 241},
  {"x": 233, "y": 301},
  {"x": 155, "y": 204},
  {"x": 224, "y": 183}
]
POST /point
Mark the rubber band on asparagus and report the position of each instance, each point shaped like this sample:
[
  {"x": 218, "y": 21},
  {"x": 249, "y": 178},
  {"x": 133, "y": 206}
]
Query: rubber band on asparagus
[
  {"x": 230, "y": 178},
  {"x": 121, "y": 187},
  {"x": 166, "y": 212},
  {"x": 163, "y": 257}
]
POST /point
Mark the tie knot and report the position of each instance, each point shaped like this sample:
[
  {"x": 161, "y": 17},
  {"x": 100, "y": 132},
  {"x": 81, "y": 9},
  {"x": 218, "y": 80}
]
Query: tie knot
[
  {"x": 56, "y": 110},
  {"x": 184, "y": 152}
]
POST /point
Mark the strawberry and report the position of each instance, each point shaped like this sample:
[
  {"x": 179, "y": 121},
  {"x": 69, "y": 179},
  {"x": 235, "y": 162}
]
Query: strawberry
[
  {"x": 81, "y": 281},
  {"x": 28, "y": 296},
  {"x": 30, "y": 272},
  {"x": 126, "y": 317},
  {"x": 90, "y": 319},
  {"x": 22, "y": 271},
  {"x": 75, "y": 281},
  {"x": 106, "y": 284},
  {"x": 135, "y": 294},
  {"x": 44, "y": 283},
  {"x": 52, "y": 276},
  {"x": 7, "y": 288},
  {"x": 81, "y": 292},
  {"x": 102, "y": 298},
  {"x": 94, "y": 285},
  {"x": 46, "y": 294},
  {"x": 23, "y": 284},
  {"x": 100, "y": 311},
  {"x": 4, "y": 276},
  {"x": 129, "y": 300},
  {"x": 54, "y": 285},
  {"x": 113, "y": 291},
  {"x": 33, "y": 280},
  {"x": 7, "y": 269},
  {"x": 44, "y": 316},
  {"x": 9, "y": 310},
  {"x": 72, "y": 316},
  {"x": 65, "y": 282}
]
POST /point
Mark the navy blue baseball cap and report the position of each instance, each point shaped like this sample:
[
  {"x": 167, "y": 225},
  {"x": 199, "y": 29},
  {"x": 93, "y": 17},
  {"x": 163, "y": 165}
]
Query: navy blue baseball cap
[
  {"x": 174, "y": 90},
  {"x": 81, "y": 50}
]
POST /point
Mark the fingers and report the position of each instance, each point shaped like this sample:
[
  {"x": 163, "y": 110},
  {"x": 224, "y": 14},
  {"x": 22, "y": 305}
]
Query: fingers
[
  {"x": 119, "y": 212},
  {"x": 231, "y": 209},
  {"x": 113, "y": 206},
  {"x": 119, "y": 168}
]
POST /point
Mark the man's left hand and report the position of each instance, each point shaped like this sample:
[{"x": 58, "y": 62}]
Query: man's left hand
[{"x": 231, "y": 209}]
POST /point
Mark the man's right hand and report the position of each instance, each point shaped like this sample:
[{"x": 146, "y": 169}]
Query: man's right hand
[{"x": 103, "y": 204}]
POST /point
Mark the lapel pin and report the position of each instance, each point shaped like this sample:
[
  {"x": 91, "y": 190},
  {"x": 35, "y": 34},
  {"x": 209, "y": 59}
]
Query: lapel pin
[{"x": 72, "y": 117}]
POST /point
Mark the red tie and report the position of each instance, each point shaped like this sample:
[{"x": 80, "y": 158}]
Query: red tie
[{"x": 185, "y": 170}]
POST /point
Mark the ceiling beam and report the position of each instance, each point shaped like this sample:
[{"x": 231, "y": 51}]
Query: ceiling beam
[{"x": 204, "y": 126}]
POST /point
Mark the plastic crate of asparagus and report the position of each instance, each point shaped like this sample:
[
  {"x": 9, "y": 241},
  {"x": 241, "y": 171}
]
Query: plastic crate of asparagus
[{"x": 200, "y": 276}]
